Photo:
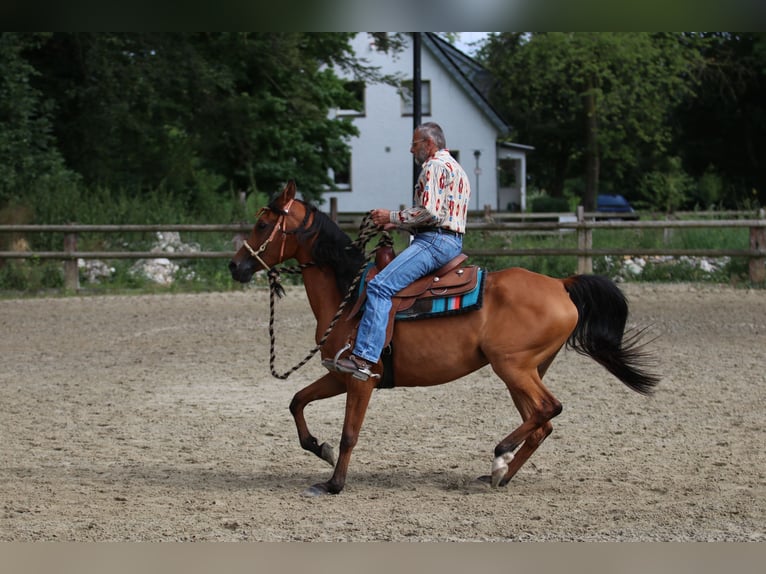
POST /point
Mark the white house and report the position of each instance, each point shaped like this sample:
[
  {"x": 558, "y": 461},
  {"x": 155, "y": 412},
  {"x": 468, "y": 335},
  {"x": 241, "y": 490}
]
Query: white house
[{"x": 381, "y": 169}]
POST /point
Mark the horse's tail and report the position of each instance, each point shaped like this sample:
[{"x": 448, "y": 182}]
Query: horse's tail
[{"x": 600, "y": 331}]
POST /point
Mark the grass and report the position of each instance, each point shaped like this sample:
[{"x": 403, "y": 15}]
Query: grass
[{"x": 734, "y": 270}]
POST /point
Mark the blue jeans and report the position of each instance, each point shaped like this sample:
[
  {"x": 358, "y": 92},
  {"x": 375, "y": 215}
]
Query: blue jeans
[{"x": 427, "y": 253}]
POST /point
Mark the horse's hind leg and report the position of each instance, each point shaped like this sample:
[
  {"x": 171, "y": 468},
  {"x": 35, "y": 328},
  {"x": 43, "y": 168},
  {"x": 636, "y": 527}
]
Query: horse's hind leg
[
  {"x": 324, "y": 388},
  {"x": 521, "y": 456},
  {"x": 537, "y": 407}
]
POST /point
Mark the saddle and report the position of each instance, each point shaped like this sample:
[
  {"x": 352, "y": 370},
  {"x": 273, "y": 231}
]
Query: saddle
[
  {"x": 454, "y": 288},
  {"x": 452, "y": 281}
]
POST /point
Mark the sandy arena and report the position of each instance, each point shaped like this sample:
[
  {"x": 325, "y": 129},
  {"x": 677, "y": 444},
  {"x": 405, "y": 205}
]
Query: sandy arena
[{"x": 155, "y": 418}]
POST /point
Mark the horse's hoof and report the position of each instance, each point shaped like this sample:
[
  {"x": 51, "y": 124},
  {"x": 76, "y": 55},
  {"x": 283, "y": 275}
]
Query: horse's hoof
[
  {"x": 500, "y": 468},
  {"x": 486, "y": 479},
  {"x": 327, "y": 454},
  {"x": 315, "y": 490}
]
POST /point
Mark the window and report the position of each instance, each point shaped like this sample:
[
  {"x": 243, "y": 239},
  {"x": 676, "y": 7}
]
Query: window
[
  {"x": 341, "y": 178},
  {"x": 425, "y": 97},
  {"x": 354, "y": 100}
]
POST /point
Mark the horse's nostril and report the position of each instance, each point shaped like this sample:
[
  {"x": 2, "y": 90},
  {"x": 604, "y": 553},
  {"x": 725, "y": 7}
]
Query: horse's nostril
[{"x": 232, "y": 266}]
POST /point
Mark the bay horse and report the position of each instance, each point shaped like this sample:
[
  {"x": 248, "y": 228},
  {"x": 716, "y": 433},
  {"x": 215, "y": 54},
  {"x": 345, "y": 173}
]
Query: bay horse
[{"x": 524, "y": 321}]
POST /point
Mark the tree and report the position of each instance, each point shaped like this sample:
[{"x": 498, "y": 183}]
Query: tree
[
  {"x": 593, "y": 104},
  {"x": 720, "y": 131},
  {"x": 27, "y": 145},
  {"x": 178, "y": 111}
]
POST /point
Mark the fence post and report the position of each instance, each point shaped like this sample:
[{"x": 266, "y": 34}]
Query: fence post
[
  {"x": 758, "y": 242},
  {"x": 71, "y": 273},
  {"x": 584, "y": 241},
  {"x": 334, "y": 209}
]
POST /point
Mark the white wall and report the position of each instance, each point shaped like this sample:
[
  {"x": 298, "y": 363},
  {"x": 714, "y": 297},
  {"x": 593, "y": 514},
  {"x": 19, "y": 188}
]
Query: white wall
[{"x": 381, "y": 165}]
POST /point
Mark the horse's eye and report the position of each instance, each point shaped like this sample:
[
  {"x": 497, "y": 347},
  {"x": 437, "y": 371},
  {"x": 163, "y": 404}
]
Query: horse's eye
[{"x": 261, "y": 225}]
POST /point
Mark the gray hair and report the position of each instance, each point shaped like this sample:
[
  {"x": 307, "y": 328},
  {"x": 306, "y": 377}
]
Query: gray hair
[{"x": 434, "y": 131}]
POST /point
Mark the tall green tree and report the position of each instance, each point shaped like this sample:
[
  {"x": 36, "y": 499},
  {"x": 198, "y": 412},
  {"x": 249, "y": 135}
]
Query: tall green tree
[
  {"x": 721, "y": 131},
  {"x": 273, "y": 123},
  {"x": 179, "y": 111},
  {"x": 594, "y": 105},
  {"x": 28, "y": 148}
]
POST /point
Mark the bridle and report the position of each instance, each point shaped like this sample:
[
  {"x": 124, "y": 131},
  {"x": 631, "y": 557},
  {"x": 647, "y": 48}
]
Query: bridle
[{"x": 278, "y": 226}]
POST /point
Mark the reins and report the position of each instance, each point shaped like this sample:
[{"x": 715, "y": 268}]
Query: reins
[{"x": 367, "y": 230}]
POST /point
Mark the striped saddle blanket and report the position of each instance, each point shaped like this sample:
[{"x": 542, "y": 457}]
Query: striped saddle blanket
[{"x": 458, "y": 291}]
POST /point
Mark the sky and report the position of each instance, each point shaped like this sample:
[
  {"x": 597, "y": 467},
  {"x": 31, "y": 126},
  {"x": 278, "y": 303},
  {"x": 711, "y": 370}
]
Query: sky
[{"x": 466, "y": 38}]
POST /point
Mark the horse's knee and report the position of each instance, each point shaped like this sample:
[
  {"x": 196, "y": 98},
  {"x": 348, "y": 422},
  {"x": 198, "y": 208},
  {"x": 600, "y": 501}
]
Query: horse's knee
[
  {"x": 348, "y": 440},
  {"x": 295, "y": 405}
]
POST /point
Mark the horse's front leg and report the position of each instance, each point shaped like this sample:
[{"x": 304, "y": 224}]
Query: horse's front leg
[
  {"x": 357, "y": 400},
  {"x": 324, "y": 388}
]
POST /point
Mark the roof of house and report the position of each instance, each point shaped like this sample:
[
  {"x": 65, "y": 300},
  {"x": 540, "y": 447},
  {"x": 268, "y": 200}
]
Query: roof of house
[{"x": 474, "y": 78}]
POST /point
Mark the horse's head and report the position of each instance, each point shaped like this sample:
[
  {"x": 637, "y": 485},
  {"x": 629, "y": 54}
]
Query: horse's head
[{"x": 273, "y": 238}]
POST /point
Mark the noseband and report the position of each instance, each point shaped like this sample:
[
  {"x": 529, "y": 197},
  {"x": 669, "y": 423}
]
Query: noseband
[{"x": 278, "y": 226}]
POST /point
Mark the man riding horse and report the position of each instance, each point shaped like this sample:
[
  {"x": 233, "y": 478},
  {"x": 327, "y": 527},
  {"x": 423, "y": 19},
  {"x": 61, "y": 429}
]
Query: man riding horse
[{"x": 437, "y": 220}]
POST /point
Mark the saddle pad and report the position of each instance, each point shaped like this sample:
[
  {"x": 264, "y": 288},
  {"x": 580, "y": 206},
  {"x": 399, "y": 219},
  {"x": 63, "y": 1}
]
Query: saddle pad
[{"x": 442, "y": 306}]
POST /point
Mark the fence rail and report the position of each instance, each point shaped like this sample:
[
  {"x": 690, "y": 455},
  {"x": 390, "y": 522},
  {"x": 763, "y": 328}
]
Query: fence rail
[{"x": 583, "y": 225}]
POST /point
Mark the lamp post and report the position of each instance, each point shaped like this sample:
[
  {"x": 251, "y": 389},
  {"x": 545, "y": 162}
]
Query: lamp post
[
  {"x": 417, "y": 105},
  {"x": 477, "y": 171}
]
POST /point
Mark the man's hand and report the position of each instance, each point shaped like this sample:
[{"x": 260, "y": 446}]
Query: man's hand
[{"x": 381, "y": 217}]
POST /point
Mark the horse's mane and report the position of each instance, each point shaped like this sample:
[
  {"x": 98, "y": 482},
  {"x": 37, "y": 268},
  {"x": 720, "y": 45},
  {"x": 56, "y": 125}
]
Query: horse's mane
[{"x": 333, "y": 248}]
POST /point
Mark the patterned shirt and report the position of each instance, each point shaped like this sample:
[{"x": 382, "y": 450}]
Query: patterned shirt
[{"x": 441, "y": 196}]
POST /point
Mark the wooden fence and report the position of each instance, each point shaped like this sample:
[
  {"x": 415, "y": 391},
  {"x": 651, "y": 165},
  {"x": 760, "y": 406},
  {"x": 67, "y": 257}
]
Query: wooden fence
[{"x": 583, "y": 224}]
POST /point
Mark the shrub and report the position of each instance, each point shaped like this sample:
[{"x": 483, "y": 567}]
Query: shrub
[{"x": 548, "y": 204}]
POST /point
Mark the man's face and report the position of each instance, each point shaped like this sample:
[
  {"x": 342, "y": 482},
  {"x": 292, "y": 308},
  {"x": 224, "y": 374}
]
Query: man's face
[{"x": 420, "y": 148}]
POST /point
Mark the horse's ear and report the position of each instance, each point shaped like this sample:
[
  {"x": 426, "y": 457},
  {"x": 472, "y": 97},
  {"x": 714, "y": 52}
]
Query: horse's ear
[{"x": 289, "y": 192}]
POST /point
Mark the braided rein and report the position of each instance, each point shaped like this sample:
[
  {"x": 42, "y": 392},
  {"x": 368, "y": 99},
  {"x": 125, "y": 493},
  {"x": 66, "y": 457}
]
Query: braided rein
[{"x": 367, "y": 230}]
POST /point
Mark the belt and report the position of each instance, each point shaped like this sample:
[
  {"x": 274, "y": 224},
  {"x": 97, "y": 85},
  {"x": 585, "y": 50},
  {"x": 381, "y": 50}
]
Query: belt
[{"x": 437, "y": 230}]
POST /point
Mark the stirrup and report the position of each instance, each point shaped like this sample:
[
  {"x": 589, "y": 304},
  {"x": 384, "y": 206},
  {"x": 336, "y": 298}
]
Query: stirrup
[
  {"x": 332, "y": 364},
  {"x": 361, "y": 374},
  {"x": 357, "y": 371}
]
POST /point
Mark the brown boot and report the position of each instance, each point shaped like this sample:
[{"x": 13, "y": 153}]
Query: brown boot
[{"x": 356, "y": 367}]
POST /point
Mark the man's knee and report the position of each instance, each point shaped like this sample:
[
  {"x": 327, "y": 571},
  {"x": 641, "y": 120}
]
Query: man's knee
[{"x": 379, "y": 289}]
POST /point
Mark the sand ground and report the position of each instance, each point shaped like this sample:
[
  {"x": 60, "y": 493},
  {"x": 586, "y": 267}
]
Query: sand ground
[{"x": 154, "y": 418}]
